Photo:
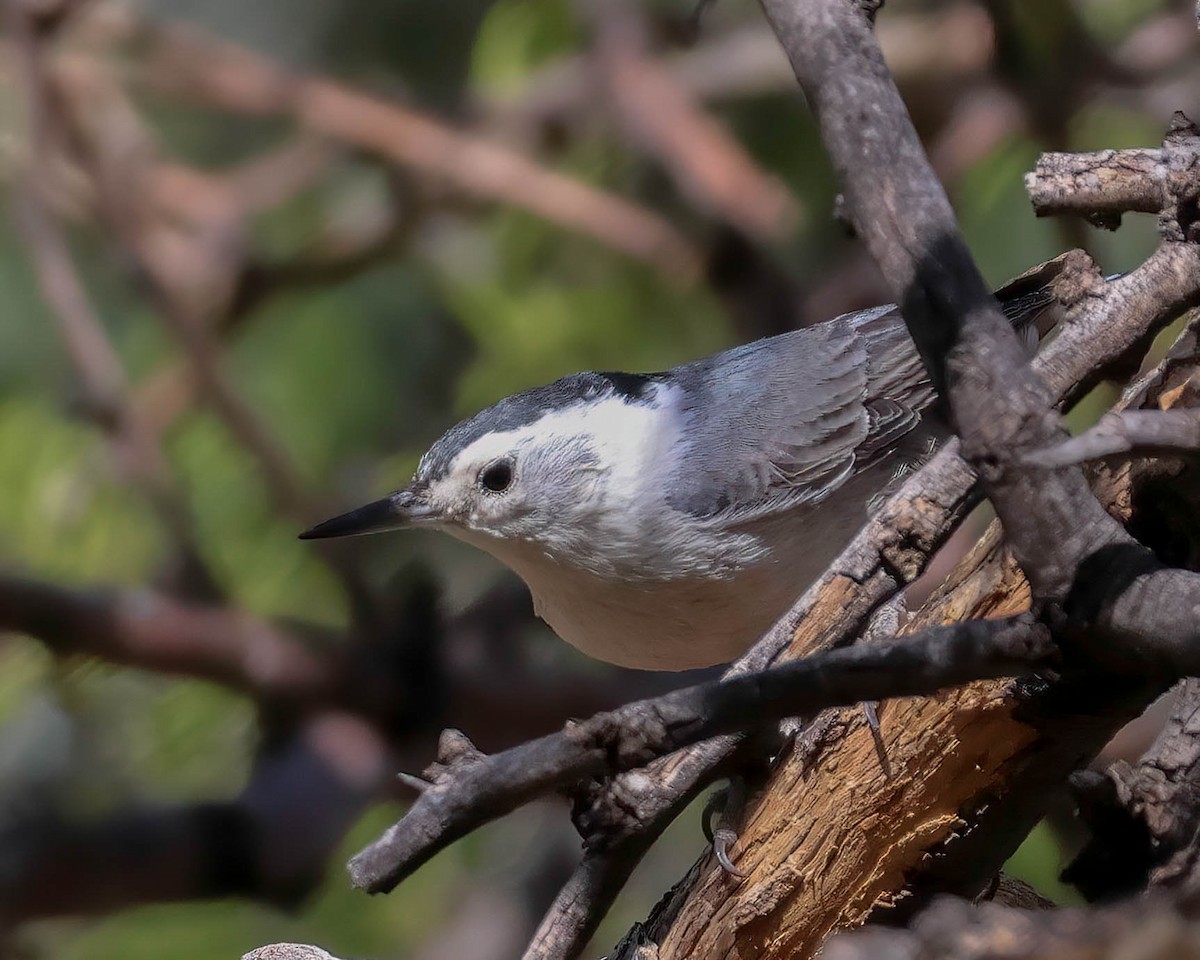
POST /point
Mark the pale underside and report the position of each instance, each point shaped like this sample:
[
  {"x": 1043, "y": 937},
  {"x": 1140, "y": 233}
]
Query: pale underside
[{"x": 690, "y": 622}]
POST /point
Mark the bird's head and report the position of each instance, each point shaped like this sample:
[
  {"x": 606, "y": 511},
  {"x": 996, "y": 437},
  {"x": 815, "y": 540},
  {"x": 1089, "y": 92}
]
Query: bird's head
[{"x": 549, "y": 467}]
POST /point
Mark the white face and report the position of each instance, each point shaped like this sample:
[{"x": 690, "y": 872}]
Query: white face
[{"x": 572, "y": 477}]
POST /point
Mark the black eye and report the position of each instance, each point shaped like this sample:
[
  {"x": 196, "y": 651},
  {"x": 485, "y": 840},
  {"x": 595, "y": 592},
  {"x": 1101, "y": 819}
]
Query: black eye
[{"x": 497, "y": 476}]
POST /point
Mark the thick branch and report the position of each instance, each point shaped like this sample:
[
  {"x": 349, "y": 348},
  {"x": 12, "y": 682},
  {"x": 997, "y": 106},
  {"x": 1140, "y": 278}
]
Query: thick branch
[
  {"x": 1103, "y": 185},
  {"x": 900, "y": 210},
  {"x": 1100, "y": 185}
]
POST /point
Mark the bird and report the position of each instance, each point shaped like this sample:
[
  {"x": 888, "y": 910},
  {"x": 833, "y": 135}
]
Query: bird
[{"x": 664, "y": 521}]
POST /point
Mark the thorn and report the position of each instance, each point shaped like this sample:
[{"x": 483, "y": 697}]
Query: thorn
[{"x": 414, "y": 782}]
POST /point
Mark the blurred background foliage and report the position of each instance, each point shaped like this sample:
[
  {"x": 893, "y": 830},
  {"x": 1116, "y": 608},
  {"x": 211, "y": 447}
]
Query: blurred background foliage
[{"x": 472, "y": 299}]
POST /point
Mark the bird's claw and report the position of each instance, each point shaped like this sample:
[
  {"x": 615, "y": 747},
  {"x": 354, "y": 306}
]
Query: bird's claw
[
  {"x": 731, "y": 803},
  {"x": 722, "y": 840}
]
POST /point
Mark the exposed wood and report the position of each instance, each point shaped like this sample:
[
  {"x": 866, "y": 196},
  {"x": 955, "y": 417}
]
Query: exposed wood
[{"x": 834, "y": 836}]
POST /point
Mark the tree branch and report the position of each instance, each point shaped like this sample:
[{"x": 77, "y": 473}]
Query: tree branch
[
  {"x": 1106, "y": 184},
  {"x": 1144, "y": 817},
  {"x": 1132, "y": 432},
  {"x": 468, "y": 789}
]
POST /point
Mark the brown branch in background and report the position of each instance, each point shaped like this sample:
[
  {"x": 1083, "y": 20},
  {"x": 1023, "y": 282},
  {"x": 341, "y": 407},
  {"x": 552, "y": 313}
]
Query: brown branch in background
[
  {"x": 189, "y": 63},
  {"x": 102, "y": 380},
  {"x": 271, "y": 843},
  {"x": 949, "y": 46},
  {"x": 117, "y": 169},
  {"x": 334, "y": 256},
  {"x": 118, "y": 154},
  {"x": 476, "y": 677},
  {"x": 265, "y": 181},
  {"x": 95, "y": 114},
  {"x": 154, "y": 632},
  {"x": 658, "y": 114}
]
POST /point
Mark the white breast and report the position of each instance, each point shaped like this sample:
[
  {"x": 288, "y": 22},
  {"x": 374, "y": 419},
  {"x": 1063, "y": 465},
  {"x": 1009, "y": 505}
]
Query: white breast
[
  {"x": 691, "y": 621},
  {"x": 679, "y": 623}
]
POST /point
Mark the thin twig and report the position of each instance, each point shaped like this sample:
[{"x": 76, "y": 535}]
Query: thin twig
[
  {"x": 659, "y": 114},
  {"x": 119, "y": 157},
  {"x": 1133, "y": 432}
]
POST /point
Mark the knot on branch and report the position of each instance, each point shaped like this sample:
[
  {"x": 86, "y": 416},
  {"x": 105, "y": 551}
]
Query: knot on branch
[
  {"x": 631, "y": 737},
  {"x": 1180, "y": 217},
  {"x": 609, "y": 810},
  {"x": 455, "y": 751},
  {"x": 870, "y": 8},
  {"x": 1079, "y": 283}
]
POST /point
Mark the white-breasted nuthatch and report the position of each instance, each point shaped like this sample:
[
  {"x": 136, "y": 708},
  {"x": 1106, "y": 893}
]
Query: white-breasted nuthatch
[{"x": 666, "y": 520}]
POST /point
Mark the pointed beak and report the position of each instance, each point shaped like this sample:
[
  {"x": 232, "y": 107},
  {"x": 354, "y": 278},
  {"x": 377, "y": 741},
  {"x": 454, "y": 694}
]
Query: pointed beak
[{"x": 404, "y": 508}]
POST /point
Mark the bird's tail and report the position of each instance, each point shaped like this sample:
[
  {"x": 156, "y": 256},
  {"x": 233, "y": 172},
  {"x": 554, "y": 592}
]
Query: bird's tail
[{"x": 1030, "y": 302}]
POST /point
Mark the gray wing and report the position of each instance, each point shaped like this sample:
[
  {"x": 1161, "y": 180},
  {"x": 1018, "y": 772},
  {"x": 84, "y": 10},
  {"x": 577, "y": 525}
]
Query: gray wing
[{"x": 787, "y": 420}]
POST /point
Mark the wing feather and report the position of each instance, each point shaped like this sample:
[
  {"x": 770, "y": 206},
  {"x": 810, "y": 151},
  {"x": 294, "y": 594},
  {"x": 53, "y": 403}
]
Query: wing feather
[{"x": 786, "y": 421}]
